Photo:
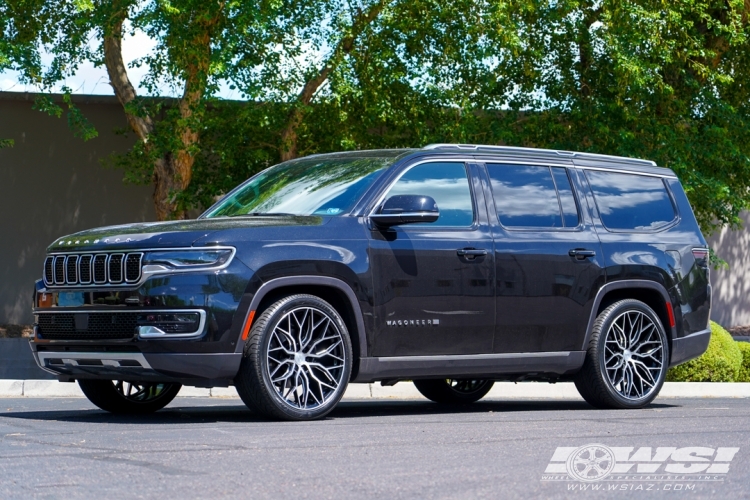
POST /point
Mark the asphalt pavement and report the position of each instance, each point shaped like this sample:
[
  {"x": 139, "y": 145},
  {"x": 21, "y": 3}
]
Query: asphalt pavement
[{"x": 214, "y": 448}]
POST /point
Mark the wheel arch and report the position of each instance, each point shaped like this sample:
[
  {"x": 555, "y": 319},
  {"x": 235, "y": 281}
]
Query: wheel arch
[
  {"x": 651, "y": 293},
  {"x": 333, "y": 290}
]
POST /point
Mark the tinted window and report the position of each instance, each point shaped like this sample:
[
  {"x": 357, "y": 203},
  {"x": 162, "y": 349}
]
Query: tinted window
[
  {"x": 567, "y": 199},
  {"x": 447, "y": 183},
  {"x": 525, "y": 196},
  {"x": 630, "y": 201}
]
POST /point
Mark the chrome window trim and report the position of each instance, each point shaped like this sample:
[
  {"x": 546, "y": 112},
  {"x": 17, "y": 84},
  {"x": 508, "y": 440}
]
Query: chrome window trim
[
  {"x": 146, "y": 270},
  {"x": 621, "y": 171},
  {"x": 163, "y": 336}
]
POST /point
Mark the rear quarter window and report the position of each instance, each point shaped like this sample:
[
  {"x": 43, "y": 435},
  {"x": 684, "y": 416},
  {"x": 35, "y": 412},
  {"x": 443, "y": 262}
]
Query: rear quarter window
[{"x": 631, "y": 202}]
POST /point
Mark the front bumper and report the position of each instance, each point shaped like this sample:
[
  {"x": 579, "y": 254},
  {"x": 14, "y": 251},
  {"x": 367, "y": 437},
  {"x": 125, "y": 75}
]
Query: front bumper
[
  {"x": 689, "y": 347},
  {"x": 196, "y": 369}
]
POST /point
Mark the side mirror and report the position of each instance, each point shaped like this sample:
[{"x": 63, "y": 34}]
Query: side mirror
[{"x": 406, "y": 209}]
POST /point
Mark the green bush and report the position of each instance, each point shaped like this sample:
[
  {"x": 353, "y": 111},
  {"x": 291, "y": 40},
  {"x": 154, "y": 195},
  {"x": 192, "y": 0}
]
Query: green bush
[
  {"x": 744, "y": 375},
  {"x": 720, "y": 363}
]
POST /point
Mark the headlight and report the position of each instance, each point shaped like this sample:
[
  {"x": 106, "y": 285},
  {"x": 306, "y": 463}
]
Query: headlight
[{"x": 186, "y": 259}]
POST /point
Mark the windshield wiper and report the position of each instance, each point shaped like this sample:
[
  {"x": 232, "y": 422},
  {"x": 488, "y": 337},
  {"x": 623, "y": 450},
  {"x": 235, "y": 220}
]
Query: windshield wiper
[{"x": 261, "y": 214}]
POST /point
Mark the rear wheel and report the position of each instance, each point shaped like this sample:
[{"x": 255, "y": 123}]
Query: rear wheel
[
  {"x": 117, "y": 396},
  {"x": 627, "y": 357},
  {"x": 454, "y": 391}
]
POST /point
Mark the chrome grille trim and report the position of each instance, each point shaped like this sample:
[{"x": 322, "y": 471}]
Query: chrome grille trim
[
  {"x": 93, "y": 269},
  {"x": 100, "y": 268},
  {"x": 60, "y": 270},
  {"x": 71, "y": 269},
  {"x": 115, "y": 263},
  {"x": 85, "y": 269},
  {"x": 132, "y": 267},
  {"x": 49, "y": 270}
]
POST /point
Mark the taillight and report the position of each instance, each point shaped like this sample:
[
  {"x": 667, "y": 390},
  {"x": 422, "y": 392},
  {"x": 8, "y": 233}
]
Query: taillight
[{"x": 701, "y": 256}]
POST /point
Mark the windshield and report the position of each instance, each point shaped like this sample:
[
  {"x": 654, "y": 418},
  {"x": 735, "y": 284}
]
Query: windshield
[{"x": 308, "y": 186}]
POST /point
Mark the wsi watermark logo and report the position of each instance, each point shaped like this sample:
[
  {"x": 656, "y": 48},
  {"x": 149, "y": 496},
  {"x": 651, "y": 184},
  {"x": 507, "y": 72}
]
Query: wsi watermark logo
[{"x": 662, "y": 468}]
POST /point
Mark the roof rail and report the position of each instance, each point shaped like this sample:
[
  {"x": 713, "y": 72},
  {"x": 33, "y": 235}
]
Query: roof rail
[{"x": 567, "y": 154}]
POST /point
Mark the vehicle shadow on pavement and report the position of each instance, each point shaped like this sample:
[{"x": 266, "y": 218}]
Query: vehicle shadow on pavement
[{"x": 211, "y": 412}]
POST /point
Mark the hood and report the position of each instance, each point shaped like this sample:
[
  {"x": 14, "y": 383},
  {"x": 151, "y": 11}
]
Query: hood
[{"x": 182, "y": 233}]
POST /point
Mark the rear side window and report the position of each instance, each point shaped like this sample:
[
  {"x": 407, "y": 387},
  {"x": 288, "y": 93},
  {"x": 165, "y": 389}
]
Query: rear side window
[
  {"x": 533, "y": 196},
  {"x": 631, "y": 201}
]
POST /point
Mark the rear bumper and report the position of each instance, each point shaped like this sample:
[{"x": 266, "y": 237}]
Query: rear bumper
[
  {"x": 201, "y": 370},
  {"x": 686, "y": 348}
]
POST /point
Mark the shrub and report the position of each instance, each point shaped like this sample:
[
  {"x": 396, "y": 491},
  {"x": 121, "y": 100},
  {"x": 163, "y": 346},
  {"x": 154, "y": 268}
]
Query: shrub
[
  {"x": 720, "y": 363},
  {"x": 744, "y": 375}
]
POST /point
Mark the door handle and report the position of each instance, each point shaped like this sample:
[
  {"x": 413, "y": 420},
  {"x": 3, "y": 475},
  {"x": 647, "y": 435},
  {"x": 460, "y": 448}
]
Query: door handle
[
  {"x": 471, "y": 253},
  {"x": 581, "y": 253}
]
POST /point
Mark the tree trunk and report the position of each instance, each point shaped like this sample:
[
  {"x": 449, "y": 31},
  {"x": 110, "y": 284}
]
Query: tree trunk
[
  {"x": 289, "y": 135},
  {"x": 173, "y": 169}
]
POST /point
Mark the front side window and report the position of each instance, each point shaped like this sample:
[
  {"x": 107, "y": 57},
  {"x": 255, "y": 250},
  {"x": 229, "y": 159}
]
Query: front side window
[
  {"x": 631, "y": 201},
  {"x": 447, "y": 183},
  {"x": 529, "y": 196},
  {"x": 308, "y": 186}
]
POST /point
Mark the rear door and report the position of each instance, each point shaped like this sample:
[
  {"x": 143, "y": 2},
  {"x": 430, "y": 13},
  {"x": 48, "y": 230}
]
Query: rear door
[{"x": 548, "y": 258}]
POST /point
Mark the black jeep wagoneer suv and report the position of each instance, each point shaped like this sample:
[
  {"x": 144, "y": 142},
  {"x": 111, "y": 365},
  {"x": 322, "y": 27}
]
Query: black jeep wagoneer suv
[{"x": 451, "y": 266}]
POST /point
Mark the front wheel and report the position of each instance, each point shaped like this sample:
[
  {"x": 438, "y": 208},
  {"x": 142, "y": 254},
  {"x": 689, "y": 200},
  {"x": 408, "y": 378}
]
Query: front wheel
[
  {"x": 627, "y": 357},
  {"x": 452, "y": 391},
  {"x": 297, "y": 360},
  {"x": 134, "y": 398}
]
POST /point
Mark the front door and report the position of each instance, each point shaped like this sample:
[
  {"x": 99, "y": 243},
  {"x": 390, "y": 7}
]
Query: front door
[
  {"x": 548, "y": 258},
  {"x": 433, "y": 283}
]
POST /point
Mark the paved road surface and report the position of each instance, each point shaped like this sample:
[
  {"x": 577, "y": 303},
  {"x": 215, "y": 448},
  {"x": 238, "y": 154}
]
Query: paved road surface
[{"x": 209, "y": 448}]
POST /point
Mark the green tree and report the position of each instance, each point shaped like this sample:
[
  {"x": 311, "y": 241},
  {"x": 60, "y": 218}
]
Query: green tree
[{"x": 665, "y": 81}]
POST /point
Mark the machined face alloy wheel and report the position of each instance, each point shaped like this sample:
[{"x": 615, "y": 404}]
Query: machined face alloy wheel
[
  {"x": 633, "y": 355},
  {"x": 305, "y": 358},
  {"x": 140, "y": 393}
]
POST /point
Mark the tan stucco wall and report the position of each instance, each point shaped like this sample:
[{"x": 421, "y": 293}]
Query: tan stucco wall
[
  {"x": 731, "y": 287},
  {"x": 52, "y": 184}
]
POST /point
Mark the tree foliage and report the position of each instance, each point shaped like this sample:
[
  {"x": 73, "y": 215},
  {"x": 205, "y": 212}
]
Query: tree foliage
[{"x": 666, "y": 81}]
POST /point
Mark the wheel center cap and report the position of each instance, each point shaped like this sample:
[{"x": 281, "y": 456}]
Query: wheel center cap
[
  {"x": 299, "y": 358},
  {"x": 627, "y": 355}
]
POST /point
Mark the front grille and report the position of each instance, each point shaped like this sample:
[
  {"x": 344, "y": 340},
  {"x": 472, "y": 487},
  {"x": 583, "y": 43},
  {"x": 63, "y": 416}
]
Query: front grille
[
  {"x": 133, "y": 267},
  {"x": 60, "y": 270},
  {"x": 97, "y": 269},
  {"x": 49, "y": 270},
  {"x": 87, "y": 326},
  {"x": 115, "y": 268},
  {"x": 100, "y": 268},
  {"x": 84, "y": 269},
  {"x": 71, "y": 269}
]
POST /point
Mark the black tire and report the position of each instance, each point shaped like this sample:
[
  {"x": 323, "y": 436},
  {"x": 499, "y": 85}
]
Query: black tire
[
  {"x": 279, "y": 397},
  {"x": 452, "y": 391},
  {"x": 136, "y": 398},
  {"x": 600, "y": 382}
]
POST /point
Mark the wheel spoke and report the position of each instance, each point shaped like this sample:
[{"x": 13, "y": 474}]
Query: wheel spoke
[
  {"x": 633, "y": 354},
  {"x": 305, "y": 358}
]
